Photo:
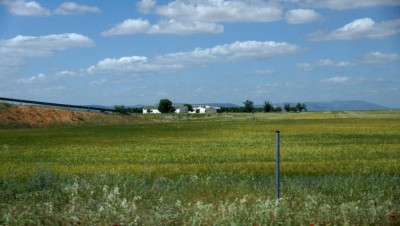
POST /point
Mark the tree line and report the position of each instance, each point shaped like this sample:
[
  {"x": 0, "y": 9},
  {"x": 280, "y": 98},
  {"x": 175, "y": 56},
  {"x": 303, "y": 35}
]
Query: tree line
[
  {"x": 267, "y": 107},
  {"x": 165, "y": 106}
]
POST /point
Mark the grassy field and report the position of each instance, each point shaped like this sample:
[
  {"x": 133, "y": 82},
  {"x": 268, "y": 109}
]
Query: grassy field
[{"x": 338, "y": 168}]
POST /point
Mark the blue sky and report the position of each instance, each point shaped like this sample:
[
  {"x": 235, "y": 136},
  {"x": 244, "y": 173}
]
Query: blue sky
[{"x": 192, "y": 51}]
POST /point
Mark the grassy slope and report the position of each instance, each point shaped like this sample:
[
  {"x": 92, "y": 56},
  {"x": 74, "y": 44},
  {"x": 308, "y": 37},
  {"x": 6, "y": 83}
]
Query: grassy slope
[{"x": 337, "y": 168}]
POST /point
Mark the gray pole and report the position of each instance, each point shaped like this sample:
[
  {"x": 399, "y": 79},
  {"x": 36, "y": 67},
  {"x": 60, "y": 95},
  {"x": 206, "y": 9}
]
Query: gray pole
[{"x": 277, "y": 169}]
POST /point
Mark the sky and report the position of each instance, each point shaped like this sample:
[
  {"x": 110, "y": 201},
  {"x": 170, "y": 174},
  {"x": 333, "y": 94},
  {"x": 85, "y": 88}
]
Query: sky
[{"x": 191, "y": 51}]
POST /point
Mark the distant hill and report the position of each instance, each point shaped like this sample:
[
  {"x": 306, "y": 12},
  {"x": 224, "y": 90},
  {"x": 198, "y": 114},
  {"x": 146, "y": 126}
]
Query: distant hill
[
  {"x": 340, "y": 105},
  {"x": 343, "y": 106}
]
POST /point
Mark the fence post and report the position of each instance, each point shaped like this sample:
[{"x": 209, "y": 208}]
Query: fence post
[{"x": 277, "y": 167}]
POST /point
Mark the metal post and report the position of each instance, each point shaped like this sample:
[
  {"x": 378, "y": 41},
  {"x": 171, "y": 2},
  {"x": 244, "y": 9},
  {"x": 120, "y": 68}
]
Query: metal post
[{"x": 277, "y": 168}]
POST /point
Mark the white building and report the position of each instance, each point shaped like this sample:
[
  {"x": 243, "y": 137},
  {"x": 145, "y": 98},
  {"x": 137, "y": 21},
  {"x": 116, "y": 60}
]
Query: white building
[
  {"x": 151, "y": 110},
  {"x": 179, "y": 109},
  {"x": 202, "y": 109}
]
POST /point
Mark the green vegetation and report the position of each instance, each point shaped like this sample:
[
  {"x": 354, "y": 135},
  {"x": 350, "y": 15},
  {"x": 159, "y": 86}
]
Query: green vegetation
[
  {"x": 338, "y": 168},
  {"x": 165, "y": 106}
]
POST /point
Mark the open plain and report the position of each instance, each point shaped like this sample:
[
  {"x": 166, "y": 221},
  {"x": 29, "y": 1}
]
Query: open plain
[{"x": 337, "y": 168}]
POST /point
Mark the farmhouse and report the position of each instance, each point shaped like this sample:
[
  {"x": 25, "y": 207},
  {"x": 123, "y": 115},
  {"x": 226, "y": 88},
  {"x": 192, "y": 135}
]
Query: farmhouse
[
  {"x": 202, "y": 109},
  {"x": 151, "y": 110},
  {"x": 181, "y": 109}
]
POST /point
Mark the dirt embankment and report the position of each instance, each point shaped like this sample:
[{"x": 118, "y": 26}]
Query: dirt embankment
[{"x": 29, "y": 116}]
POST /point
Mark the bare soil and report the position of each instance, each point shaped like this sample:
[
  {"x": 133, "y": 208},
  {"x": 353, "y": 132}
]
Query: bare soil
[{"x": 34, "y": 116}]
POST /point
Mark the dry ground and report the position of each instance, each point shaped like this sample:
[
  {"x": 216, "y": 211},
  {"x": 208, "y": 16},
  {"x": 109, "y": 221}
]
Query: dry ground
[{"x": 34, "y": 116}]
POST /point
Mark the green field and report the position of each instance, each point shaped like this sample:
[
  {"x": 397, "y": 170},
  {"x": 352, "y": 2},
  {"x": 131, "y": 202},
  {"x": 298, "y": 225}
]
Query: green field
[{"x": 338, "y": 168}]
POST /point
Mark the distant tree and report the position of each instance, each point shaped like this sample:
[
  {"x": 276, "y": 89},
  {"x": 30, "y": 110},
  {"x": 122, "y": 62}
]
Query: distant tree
[
  {"x": 304, "y": 107},
  {"x": 277, "y": 109},
  {"x": 298, "y": 107},
  {"x": 121, "y": 109},
  {"x": 165, "y": 106},
  {"x": 267, "y": 107},
  {"x": 248, "y": 106},
  {"x": 189, "y": 106},
  {"x": 287, "y": 107}
]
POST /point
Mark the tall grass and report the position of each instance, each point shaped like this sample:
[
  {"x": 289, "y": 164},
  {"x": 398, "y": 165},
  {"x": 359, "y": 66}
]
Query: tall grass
[{"x": 205, "y": 170}]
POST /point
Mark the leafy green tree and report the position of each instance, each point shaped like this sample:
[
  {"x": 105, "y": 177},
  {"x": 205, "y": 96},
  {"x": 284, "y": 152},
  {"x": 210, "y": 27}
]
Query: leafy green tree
[
  {"x": 121, "y": 109},
  {"x": 304, "y": 107},
  {"x": 287, "y": 107},
  {"x": 189, "y": 106},
  {"x": 248, "y": 106},
  {"x": 165, "y": 106},
  {"x": 277, "y": 109},
  {"x": 267, "y": 106}
]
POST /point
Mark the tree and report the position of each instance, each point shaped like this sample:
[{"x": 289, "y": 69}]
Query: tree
[
  {"x": 121, "y": 109},
  {"x": 298, "y": 107},
  {"x": 165, "y": 106},
  {"x": 189, "y": 106},
  {"x": 277, "y": 109},
  {"x": 287, "y": 107},
  {"x": 267, "y": 106},
  {"x": 304, "y": 107},
  {"x": 249, "y": 106}
]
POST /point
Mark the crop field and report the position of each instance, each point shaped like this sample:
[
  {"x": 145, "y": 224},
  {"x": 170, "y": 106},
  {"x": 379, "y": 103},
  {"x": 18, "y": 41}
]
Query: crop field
[{"x": 337, "y": 168}]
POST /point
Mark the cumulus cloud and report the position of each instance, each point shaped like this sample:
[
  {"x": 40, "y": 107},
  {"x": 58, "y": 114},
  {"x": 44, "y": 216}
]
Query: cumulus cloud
[
  {"x": 377, "y": 57},
  {"x": 146, "y": 6},
  {"x": 221, "y": 11},
  {"x": 39, "y": 77},
  {"x": 28, "y": 46},
  {"x": 336, "y": 80},
  {"x": 129, "y": 26},
  {"x": 236, "y": 51},
  {"x": 171, "y": 26},
  {"x": 346, "y": 4},
  {"x": 364, "y": 28},
  {"x": 324, "y": 63},
  {"x": 301, "y": 16},
  {"x": 13, "y": 51},
  {"x": 23, "y": 8},
  {"x": 132, "y": 64},
  {"x": 68, "y": 8},
  {"x": 373, "y": 57}
]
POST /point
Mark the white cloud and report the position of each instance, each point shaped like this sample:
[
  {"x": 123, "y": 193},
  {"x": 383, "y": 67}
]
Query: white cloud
[
  {"x": 264, "y": 72},
  {"x": 221, "y": 11},
  {"x": 23, "y": 8},
  {"x": 39, "y": 77},
  {"x": 346, "y": 4},
  {"x": 129, "y": 26},
  {"x": 301, "y": 16},
  {"x": 68, "y": 8},
  {"x": 130, "y": 65},
  {"x": 379, "y": 58},
  {"x": 66, "y": 73},
  {"x": 336, "y": 80},
  {"x": 324, "y": 63},
  {"x": 236, "y": 51},
  {"x": 146, "y": 6},
  {"x": 172, "y": 26},
  {"x": 13, "y": 51},
  {"x": 98, "y": 82},
  {"x": 29, "y": 46},
  {"x": 305, "y": 66},
  {"x": 374, "y": 57},
  {"x": 330, "y": 63},
  {"x": 359, "y": 29},
  {"x": 233, "y": 52}
]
